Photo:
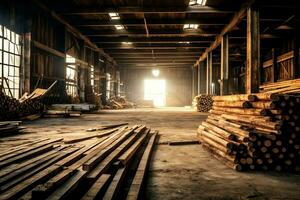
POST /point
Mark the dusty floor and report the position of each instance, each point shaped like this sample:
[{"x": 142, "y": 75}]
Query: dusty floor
[{"x": 176, "y": 172}]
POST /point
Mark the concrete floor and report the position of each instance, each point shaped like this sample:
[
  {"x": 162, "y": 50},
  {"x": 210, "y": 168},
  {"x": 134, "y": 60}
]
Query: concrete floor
[{"x": 176, "y": 172}]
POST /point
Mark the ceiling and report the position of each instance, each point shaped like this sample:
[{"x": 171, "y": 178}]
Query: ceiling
[{"x": 154, "y": 28}]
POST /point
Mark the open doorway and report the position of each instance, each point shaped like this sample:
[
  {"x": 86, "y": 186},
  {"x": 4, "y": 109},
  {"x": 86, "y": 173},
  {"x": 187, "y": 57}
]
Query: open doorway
[{"x": 155, "y": 90}]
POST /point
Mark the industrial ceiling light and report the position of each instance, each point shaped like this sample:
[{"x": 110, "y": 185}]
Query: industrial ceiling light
[
  {"x": 155, "y": 72},
  {"x": 114, "y": 16},
  {"x": 187, "y": 42},
  {"x": 190, "y": 26},
  {"x": 127, "y": 43},
  {"x": 119, "y": 27},
  {"x": 197, "y": 2}
]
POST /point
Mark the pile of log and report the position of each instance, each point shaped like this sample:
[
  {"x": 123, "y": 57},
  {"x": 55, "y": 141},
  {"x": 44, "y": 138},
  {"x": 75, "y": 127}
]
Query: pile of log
[
  {"x": 13, "y": 109},
  {"x": 254, "y": 132},
  {"x": 111, "y": 166},
  {"x": 202, "y": 102},
  {"x": 10, "y": 127},
  {"x": 282, "y": 87},
  {"x": 118, "y": 103}
]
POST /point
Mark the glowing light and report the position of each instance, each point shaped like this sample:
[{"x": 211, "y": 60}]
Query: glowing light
[
  {"x": 114, "y": 16},
  {"x": 155, "y": 72},
  {"x": 197, "y": 2},
  {"x": 190, "y": 26},
  {"x": 155, "y": 90}
]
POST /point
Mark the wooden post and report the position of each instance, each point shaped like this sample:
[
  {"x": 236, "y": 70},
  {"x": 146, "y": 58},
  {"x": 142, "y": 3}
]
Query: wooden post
[
  {"x": 199, "y": 78},
  {"x": 274, "y": 66},
  {"x": 224, "y": 65},
  {"x": 295, "y": 68},
  {"x": 253, "y": 52},
  {"x": 26, "y": 62},
  {"x": 209, "y": 73},
  {"x": 193, "y": 82}
]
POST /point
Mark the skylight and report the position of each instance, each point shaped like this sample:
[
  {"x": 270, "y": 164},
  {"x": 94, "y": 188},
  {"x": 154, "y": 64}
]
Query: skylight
[
  {"x": 190, "y": 26},
  {"x": 197, "y": 2},
  {"x": 114, "y": 16},
  {"x": 127, "y": 43},
  {"x": 119, "y": 27}
]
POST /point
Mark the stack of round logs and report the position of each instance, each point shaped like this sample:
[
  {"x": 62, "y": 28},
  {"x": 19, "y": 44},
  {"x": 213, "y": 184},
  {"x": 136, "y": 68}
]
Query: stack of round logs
[
  {"x": 12, "y": 109},
  {"x": 254, "y": 132},
  {"x": 203, "y": 102}
]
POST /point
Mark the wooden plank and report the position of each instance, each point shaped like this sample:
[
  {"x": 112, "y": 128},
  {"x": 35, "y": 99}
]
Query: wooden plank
[
  {"x": 253, "y": 52},
  {"x": 98, "y": 135},
  {"x": 102, "y": 154},
  {"x": 104, "y": 165},
  {"x": 115, "y": 185},
  {"x": 68, "y": 187},
  {"x": 136, "y": 185},
  {"x": 183, "y": 142},
  {"x": 127, "y": 155},
  {"x": 39, "y": 177},
  {"x": 26, "y": 155},
  {"x": 97, "y": 188}
]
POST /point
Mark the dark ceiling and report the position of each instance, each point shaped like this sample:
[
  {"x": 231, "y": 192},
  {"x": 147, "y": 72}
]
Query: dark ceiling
[{"x": 155, "y": 27}]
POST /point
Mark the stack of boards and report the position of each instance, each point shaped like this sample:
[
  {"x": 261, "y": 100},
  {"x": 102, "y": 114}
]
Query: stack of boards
[
  {"x": 254, "y": 132},
  {"x": 202, "y": 102},
  {"x": 10, "y": 127},
  {"x": 112, "y": 166}
]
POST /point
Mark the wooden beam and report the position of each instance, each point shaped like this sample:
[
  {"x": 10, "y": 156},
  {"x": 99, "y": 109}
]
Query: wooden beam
[
  {"x": 237, "y": 18},
  {"x": 153, "y": 46},
  {"x": 48, "y": 49},
  {"x": 275, "y": 72},
  {"x": 209, "y": 73},
  {"x": 224, "y": 65},
  {"x": 253, "y": 52},
  {"x": 199, "y": 78},
  {"x": 150, "y": 22},
  {"x": 100, "y": 10},
  {"x": 73, "y": 30}
]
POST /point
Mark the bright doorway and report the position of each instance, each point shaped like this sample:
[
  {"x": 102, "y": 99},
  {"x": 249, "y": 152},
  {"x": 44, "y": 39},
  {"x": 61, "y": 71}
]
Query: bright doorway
[{"x": 155, "y": 90}]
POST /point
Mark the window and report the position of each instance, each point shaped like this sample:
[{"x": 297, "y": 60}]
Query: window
[
  {"x": 71, "y": 76},
  {"x": 10, "y": 61},
  {"x": 119, "y": 27},
  {"x": 92, "y": 68}
]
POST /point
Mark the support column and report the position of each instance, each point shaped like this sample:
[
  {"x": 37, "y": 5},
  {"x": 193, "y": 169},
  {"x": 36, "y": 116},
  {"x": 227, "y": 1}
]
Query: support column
[
  {"x": 209, "y": 73},
  {"x": 224, "y": 65},
  {"x": 253, "y": 52},
  {"x": 274, "y": 66},
  {"x": 199, "y": 78},
  {"x": 193, "y": 82},
  {"x": 295, "y": 68}
]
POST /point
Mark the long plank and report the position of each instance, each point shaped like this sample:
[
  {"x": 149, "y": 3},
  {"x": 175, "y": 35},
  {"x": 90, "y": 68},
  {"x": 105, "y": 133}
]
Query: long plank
[
  {"x": 99, "y": 135},
  {"x": 68, "y": 187},
  {"x": 136, "y": 185},
  {"x": 102, "y": 154},
  {"x": 33, "y": 164},
  {"x": 29, "y": 149},
  {"x": 105, "y": 164},
  {"x": 38, "y": 178},
  {"x": 26, "y": 155},
  {"x": 97, "y": 188},
  {"x": 127, "y": 155},
  {"x": 42, "y": 190},
  {"x": 115, "y": 185}
]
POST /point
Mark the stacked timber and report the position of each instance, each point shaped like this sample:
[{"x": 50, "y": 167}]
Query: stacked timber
[
  {"x": 12, "y": 109},
  {"x": 55, "y": 169},
  {"x": 254, "y": 132},
  {"x": 10, "y": 127},
  {"x": 282, "y": 87},
  {"x": 203, "y": 102},
  {"x": 119, "y": 103}
]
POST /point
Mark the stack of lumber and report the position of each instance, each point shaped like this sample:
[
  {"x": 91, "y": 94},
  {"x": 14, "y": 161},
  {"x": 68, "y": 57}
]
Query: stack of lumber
[
  {"x": 119, "y": 103},
  {"x": 254, "y": 132},
  {"x": 10, "y": 127},
  {"x": 12, "y": 109},
  {"x": 203, "y": 102},
  {"x": 84, "y": 107},
  {"x": 282, "y": 87},
  {"x": 109, "y": 167},
  {"x": 61, "y": 113}
]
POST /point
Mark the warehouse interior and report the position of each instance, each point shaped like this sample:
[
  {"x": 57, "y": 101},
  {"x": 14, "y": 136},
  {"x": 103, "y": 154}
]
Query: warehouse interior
[{"x": 134, "y": 99}]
